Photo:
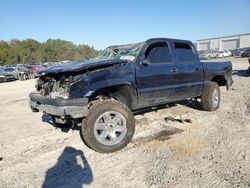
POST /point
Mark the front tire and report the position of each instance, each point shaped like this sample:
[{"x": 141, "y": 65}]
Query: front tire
[
  {"x": 210, "y": 98},
  {"x": 108, "y": 127}
]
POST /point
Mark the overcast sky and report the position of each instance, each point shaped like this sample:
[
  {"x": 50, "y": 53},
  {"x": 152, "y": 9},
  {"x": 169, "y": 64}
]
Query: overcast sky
[{"x": 104, "y": 23}]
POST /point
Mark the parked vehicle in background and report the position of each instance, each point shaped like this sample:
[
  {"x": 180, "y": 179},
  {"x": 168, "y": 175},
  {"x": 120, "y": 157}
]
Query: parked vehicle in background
[
  {"x": 5, "y": 76},
  {"x": 100, "y": 95},
  {"x": 224, "y": 53},
  {"x": 245, "y": 53},
  {"x": 37, "y": 70},
  {"x": 12, "y": 71},
  {"x": 19, "y": 73},
  {"x": 24, "y": 73},
  {"x": 209, "y": 54},
  {"x": 28, "y": 66},
  {"x": 236, "y": 52},
  {"x": 228, "y": 52},
  {"x": 233, "y": 52},
  {"x": 239, "y": 51},
  {"x": 202, "y": 55}
]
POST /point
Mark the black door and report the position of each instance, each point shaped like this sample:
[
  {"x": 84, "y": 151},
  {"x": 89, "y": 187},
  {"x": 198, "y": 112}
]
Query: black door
[
  {"x": 155, "y": 75},
  {"x": 189, "y": 74}
]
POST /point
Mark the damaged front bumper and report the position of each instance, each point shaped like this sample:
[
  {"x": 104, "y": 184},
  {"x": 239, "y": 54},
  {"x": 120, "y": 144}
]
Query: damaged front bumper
[{"x": 75, "y": 108}]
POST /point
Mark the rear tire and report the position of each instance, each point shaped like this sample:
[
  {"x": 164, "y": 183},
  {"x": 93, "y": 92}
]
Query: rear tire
[
  {"x": 210, "y": 98},
  {"x": 108, "y": 127}
]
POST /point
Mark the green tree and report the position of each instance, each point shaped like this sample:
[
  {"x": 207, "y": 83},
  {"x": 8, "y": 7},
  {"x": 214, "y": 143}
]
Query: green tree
[
  {"x": 53, "y": 50},
  {"x": 28, "y": 51}
]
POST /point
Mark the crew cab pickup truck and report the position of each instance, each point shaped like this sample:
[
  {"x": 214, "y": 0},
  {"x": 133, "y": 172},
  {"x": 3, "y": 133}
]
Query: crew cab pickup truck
[{"x": 103, "y": 93}]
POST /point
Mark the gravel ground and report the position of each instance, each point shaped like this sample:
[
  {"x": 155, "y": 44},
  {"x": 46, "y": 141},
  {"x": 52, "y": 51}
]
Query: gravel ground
[{"x": 211, "y": 151}]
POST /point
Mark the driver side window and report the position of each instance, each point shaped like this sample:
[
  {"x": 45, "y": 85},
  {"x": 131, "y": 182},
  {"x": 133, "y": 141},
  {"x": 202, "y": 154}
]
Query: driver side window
[{"x": 158, "y": 53}]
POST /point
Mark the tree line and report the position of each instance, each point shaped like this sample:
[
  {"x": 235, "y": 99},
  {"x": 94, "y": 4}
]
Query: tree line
[{"x": 30, "y": 51}]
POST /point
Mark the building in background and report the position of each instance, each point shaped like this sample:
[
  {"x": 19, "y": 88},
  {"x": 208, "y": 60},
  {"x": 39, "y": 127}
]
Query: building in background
[{"x": 224, "y": 43}]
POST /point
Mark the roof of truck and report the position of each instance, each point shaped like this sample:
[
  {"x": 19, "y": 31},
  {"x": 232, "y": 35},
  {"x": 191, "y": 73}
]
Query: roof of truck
[
  {"x": 167, "y": 39},
  {"x": 149, "y": 41}
]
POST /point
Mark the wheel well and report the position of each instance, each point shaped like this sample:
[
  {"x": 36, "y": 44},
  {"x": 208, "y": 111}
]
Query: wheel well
[
  {"x": 123, "y": 93},
  {"x": 220, "y": 79}
]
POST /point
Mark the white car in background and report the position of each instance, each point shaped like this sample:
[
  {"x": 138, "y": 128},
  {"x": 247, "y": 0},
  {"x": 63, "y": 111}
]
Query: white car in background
[
  {"x": 209, "y": 54},
  {"x": 224, "y": 53}
]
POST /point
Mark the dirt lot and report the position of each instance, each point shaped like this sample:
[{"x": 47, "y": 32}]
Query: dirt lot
[{"x": 211, "y": 151}]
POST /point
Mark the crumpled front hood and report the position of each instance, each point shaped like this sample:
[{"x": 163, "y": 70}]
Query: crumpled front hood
[{"x": 81, "y": 66}]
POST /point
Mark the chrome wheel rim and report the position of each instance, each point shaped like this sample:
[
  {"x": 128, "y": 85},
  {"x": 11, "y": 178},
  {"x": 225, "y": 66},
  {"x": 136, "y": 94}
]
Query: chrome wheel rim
[
  {"x": 215, "y": 98},
  {"x": 110, "y": 128}
]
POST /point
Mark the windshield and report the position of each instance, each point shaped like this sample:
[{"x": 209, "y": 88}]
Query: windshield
[
  {"x": 9, "y": 69},
  {"x": 128, "y": 52},
  {"x": 22, "y": 69}
]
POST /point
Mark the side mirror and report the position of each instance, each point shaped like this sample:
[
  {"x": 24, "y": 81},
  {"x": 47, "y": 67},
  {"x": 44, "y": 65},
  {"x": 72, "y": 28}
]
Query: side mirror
[{"x": 145, "y": 62}]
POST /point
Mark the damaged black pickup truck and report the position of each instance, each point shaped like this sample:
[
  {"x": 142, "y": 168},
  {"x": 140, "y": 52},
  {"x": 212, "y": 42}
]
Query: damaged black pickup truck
[{"x": 103, "y": 93}]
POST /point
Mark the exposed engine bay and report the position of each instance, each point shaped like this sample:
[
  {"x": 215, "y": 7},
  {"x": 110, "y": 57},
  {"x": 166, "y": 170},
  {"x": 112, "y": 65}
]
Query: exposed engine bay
[{"x": 54, "y": 86}]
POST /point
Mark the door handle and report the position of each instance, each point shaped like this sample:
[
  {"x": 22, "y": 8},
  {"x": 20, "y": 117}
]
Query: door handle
[{"x": 174, "y": 70}]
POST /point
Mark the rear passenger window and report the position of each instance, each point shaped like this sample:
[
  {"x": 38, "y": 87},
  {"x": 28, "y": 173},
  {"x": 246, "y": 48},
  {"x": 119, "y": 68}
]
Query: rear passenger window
[
  {"x": 185, "y": 53},
  {"x": 158, "y": 53}
]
